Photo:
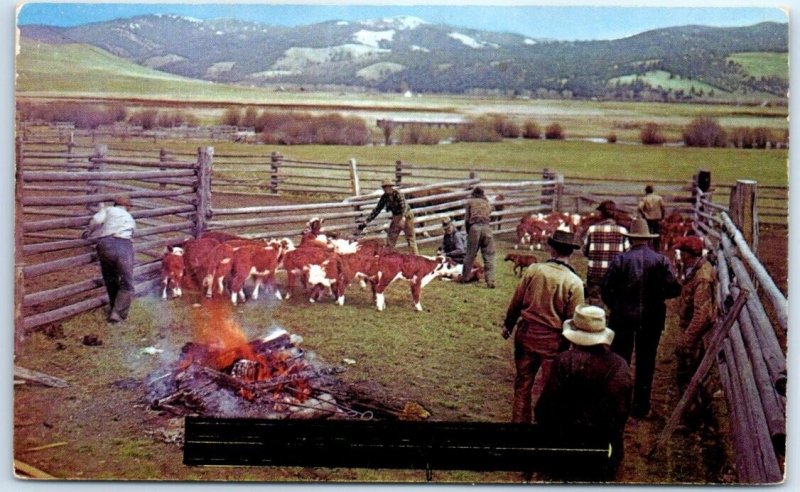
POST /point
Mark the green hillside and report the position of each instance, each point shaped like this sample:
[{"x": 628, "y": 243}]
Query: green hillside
[
  {"x": 81, "y": 69},
  {"x": 763, "y": 64},
  {"x": 666, "y": 81}
]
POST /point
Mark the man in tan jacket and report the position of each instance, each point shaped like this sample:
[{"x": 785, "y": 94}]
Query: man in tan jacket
[
  {"x": 651, "y": 208},
  {"x": 546, "y": 296}
]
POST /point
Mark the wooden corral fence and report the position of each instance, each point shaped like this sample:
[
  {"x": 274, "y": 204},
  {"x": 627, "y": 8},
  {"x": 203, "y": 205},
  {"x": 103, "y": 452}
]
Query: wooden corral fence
[
  {"x": 747, "y": 348},
  {"x": 65, "y": 133},
  {"x": 56, "y": 196}
]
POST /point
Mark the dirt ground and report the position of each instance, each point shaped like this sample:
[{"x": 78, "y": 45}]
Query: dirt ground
[{"x": 82, "y": 431}]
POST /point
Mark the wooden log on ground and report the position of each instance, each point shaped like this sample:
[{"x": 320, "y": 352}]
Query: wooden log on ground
[
  {"x": 26, "y": 470},
  {"x": 39, "y": 377}
]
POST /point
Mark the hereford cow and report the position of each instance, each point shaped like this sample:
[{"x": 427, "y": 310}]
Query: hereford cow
[
  {"x": 534, "y": 230},
  {"x": 417, "y": 270},
  {"x": 220, "y": 236},
  {"x": 217, "y": 268},
  {"x": 520, "y": 262},
  {"x": 258, "y": 262},
  {"x": 172, "y": 270},
  {"x": 298, "y": 263},
  {"x": 195, "y": 258}
]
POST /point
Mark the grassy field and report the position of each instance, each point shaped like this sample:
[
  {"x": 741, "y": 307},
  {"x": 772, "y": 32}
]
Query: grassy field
[{"x": 764, "y": 64}]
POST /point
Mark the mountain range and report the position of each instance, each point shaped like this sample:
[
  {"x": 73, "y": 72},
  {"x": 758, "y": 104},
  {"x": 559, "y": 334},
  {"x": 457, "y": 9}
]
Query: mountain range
[{"x": 407, "y": 53}]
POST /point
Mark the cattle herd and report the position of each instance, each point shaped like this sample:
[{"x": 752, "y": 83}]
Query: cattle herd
[{"x": 220, "y": 263}]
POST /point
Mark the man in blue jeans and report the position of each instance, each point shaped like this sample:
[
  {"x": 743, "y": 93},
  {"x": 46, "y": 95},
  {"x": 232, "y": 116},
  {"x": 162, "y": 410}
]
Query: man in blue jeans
[{"x": 113, "y": 228}]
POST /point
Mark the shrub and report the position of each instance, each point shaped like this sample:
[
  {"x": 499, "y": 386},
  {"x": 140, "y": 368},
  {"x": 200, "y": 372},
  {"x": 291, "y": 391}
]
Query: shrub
[
  {"x": 505, "y": 127},
  {"x": 478, "y": 130},
  {"x": 531, "y": 130},
  {"x": 418, "y": 135},
  {"x": 176, "y": 118},
  {"x": 81, "y": 115},
  {"x": 146, "y": 118},
  {"x": 231, "y": 117},
  {"x": 612, "y": 137},
  {"x": 249, "y": 119},
  {"x": 651, "y": 134},
  {"x": 705, "y": 132},
  {"x": 304, "y": 128},
  {"x": 554, "y": 132},
  {"x": 761, "y": 137}
]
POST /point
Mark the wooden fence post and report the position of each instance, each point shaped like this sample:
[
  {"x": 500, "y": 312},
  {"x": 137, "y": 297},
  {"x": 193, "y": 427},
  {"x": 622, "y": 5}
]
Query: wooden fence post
[
  {"x": 559, "y": 192},
  {"x": 163, "y": 157},
  {"x": 205, "y": 156},
  {"x": 398, "y": 172},
  {"x": 275, "y": 161},
  {"x": 744, "y": 212},
  {"x": 354, "y": 180},
  {"x": 19, "y": 285},
  {"x": 547, "y": 189},
  {"x": 98, "y": 164}
]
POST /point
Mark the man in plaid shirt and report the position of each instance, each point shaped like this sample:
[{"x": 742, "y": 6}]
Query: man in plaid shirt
[{"x": 604, "y": 240}]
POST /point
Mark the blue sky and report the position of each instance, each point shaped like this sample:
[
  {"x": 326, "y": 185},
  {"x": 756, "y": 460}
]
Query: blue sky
[{"x": 554, "y": 22}]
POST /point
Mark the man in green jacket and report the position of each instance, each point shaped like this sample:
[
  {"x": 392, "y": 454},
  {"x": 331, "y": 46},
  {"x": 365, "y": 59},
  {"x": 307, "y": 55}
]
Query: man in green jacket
[{"x": 402, "y": 216}]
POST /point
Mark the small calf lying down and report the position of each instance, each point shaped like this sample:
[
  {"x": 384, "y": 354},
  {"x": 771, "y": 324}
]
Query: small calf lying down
[{"x": 520, "y": 262}]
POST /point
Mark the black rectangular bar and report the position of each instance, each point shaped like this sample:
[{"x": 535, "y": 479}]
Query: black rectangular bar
[{"x": 478, "y": 446}]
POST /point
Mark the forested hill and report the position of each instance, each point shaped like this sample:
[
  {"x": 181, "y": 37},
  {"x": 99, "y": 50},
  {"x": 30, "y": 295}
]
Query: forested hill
[{"x": 406, "y": 53}]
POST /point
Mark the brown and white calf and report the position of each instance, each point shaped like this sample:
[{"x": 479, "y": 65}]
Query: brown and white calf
[
  {"x": 418, "y": 271},
  {"x": 257, "y": 261},
  {"x": 172, "y": 270},
  {"x": 299, "y": 262},
  {"x": 520, "y": 262}
]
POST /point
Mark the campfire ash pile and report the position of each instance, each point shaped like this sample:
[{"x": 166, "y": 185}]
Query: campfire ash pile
[{"x": 270, "y": 377}]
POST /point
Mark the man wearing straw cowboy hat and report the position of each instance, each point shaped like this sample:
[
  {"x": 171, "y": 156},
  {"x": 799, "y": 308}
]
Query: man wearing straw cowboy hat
[
  {"x": 634, "y": 289},
  {"x": 402, "y": 216},
  {"x": 589, "y": 386},
  {"x": 546, "y": 296},
  {"x": 114, "y": 226}
]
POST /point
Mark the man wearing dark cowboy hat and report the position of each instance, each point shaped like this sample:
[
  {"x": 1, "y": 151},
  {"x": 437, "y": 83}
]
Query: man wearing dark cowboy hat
[
  {"x": 113, "y": 227},
  {"x": 589, "y": 387},
  {"x": 402, "y": 216},
  {"x": 453, "y": 243},
  {"x": 635, "y": 288},
  {"x": 479, "y": 236},
  {"x": 603, "y": 242},
  {"x": 546, "y": 296}
]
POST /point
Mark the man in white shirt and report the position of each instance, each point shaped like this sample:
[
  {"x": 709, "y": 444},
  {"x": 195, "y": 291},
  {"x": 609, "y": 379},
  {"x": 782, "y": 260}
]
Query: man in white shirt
[{"x": 113, "y": 227}]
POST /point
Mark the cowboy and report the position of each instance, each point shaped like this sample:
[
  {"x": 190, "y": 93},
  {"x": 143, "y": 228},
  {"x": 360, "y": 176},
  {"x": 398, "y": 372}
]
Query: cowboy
[
  {"x": 634, "y": 289},
  {"x": 604, "y": 241},
  {"x": 113, "y": 227},
  {"x": 453, "y": 242},
  {"x": 651, "y": 208},
  {"x": 697, "y": 307},
  {"x": 546, "y": 296},
  {"x": 402, "y": 216},
  {"x": 589, "y": 386},
  {"x": 477, "y": 218}
]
